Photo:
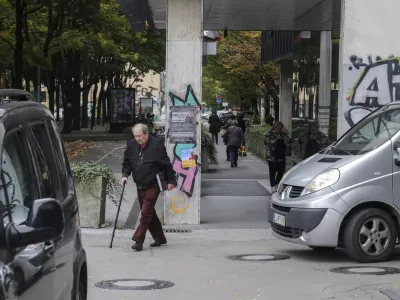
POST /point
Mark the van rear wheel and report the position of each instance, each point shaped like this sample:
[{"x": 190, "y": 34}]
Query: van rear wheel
[{"x": 370, "y": 236}]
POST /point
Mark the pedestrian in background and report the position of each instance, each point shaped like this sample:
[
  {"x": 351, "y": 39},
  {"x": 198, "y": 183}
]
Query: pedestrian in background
[
  {"x": 235, "y": 139},
  {"x": 215, "y": 126},
  {"x": 146, "y": 157},
  {"x": 241, "y": 122},
  {"x": 276, "y": 142}
]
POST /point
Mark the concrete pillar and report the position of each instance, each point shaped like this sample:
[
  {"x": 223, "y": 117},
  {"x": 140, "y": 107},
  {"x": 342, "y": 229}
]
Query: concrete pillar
[
  {"x": 325, "y": 74},
  {"x": 286, "y": 93},
  {"x": 183, "y": 88},
  {"x": 369, "y": 69}
]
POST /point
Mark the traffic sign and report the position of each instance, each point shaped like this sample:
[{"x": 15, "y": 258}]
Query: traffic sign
[
  {"x": 219, "y": 100},
  {"x": 219, "y": 97}
]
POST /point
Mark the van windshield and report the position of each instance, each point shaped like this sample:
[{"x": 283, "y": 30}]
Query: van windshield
[{"x": 370, "y": 133}]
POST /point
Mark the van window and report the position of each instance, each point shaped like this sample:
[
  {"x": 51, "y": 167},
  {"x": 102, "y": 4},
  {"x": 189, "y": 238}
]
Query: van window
[
  {"x": 17, "y": 177},
  {"x": 370, "y": 133},
  {"x": 45, "y": 161},
  {"x": 59, "y": 158}
]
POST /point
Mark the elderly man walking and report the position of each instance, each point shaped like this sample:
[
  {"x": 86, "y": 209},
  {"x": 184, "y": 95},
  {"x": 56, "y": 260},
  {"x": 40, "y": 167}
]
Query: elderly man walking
[{"x": 144, "y": 158}]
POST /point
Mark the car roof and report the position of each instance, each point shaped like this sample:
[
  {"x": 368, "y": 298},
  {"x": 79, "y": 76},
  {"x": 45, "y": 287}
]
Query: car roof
[
  {"x": 7, "y": 106},
  {"x": 13, "y": 92}
]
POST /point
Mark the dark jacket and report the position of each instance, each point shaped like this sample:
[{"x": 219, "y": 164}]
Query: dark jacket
[
  {"x": 242, "y": 124},
  {"x": 277, "y": 143},
  {"x": 234, "y": 137},
  {"x": 145, "y": 164},
  {"x": 228, "y": 117},
  {"x": 215, "y": 123}
]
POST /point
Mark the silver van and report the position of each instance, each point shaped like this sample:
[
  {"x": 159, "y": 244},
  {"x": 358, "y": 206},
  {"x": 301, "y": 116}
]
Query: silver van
[{"x": 348, "y": 195}]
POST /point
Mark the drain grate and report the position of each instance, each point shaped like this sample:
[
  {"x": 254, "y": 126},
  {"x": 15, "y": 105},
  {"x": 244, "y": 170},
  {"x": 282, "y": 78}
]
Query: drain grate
[
  {"x": 258, "y": 257},
  {"x": 134, "y": 284},
  {"x": 372, "y": 270},
  {"x": 178, "y": 230}
]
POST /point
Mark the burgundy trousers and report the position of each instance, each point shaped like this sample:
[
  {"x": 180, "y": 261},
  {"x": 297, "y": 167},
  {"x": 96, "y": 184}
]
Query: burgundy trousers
[{"x": 149, "y": 219}]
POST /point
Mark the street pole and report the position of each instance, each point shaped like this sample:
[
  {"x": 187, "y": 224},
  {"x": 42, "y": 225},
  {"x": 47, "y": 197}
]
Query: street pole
[{"x": 38, "y": 75}]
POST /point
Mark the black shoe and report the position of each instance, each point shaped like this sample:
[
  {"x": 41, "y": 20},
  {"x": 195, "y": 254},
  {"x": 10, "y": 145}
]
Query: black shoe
[
  {"x": 137, "y": 246},
  {"x": 235, "y": 165},
  {"x": 157, "y": 244},
  {"x": 232, "y": 165}
]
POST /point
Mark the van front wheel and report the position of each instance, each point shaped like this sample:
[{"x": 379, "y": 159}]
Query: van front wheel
[{"x": 370, "y": 236}]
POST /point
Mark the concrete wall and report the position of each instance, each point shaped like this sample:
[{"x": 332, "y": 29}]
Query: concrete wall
[
  {"x": 286, "y": 93},
  {"x": 92, "y": 203},
  {"x": 369, "y": 58},
  {"x": 184, "y": 72}
]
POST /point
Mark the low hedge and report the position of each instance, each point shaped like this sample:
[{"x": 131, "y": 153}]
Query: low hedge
[{"x": 255, "y": 136}]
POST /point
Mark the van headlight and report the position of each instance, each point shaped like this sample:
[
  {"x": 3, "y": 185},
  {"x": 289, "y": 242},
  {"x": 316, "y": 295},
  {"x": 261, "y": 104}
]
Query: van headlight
[{"x": 321, "y": 181}]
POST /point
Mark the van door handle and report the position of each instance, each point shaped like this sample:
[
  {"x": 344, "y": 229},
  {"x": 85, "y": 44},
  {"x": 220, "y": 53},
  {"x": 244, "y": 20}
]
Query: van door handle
[{"x": 48, "y": 248}]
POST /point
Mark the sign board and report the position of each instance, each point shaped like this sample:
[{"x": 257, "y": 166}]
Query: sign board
[
  {"x": 122, "y": 105},
  {"x": 182, "y": 128},
  {"x": 225, "y": 104},
  {"x": 146, "y": 106},
  {"x": 219, "y": 100}
]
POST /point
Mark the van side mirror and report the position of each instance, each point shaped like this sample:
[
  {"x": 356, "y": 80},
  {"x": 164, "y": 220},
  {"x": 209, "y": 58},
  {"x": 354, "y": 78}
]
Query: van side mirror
[{"x": 45, "y": 223}]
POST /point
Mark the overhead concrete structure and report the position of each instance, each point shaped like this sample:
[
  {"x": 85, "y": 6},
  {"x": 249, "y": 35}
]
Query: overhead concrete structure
[{"x": 260, "y": 14}]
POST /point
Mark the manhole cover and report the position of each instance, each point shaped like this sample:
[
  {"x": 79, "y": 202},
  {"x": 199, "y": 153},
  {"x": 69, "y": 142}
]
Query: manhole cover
[
  {"x": 134, "y": 284},
  {"x": 177, "y": 230},
  {"x": 366, "y": 270},
  {"x": 258, "y": 257}
]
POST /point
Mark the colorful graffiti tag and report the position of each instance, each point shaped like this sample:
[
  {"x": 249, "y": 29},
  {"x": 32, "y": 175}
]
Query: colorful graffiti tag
[
  {"x": 375, "y": 84},
  {"x": 187, "y": 174}
]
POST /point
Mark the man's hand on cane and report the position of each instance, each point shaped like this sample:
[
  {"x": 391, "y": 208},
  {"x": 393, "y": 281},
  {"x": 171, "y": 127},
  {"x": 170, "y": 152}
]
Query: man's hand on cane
[{"x": 124, "y": 180}]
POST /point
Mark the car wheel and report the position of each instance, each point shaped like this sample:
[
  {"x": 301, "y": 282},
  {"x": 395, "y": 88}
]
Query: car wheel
[
  {"x": 81, "y": 292},
  {"x": 322, "y": 249},
  {"x": 370, "y": 236}
]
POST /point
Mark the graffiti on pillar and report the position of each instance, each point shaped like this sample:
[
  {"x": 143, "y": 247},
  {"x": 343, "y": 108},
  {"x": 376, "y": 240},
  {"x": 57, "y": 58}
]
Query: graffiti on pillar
[
  {"x": 370, "y": 85},
  {"x": 185, "y": 161}
]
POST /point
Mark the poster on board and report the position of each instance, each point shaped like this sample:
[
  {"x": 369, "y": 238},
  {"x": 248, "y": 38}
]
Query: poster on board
[
  {"x": 122, "y": 105},
  {"x": 183, "y": 123}
]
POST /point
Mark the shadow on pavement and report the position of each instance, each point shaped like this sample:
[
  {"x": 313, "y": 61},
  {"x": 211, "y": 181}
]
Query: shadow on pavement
[{"x": 329, "y": 256}]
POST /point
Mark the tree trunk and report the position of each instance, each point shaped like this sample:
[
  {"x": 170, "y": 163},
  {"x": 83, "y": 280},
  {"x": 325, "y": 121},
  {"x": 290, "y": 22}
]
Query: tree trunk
[
  {"x": 19, "y": 45},
  {"x": 51, "y": 89},
  {"x": 92, "y": 119},
  {"x": 76, "y": 91},
  {"x": 66, "y": 92},
  {"x": 100, "y": 101},
  {"x": 58, "y": 87},
  {"x": 85, "y": 101}
]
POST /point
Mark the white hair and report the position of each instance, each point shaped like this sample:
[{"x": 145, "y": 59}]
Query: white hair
[{"x": 142, "y": 127}]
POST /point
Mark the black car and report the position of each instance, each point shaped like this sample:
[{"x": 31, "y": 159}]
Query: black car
[{"x": 41, "y": 253}]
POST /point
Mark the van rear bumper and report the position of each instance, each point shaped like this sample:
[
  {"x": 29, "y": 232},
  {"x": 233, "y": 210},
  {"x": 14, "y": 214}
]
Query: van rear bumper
[{"x": 317, "y": 227}]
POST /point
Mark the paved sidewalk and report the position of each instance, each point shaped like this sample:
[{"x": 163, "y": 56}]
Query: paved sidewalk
[{"x": 196, "y": 263}]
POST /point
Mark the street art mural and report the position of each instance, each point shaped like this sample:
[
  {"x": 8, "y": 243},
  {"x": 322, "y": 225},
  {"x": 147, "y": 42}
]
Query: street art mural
[
  {"x": 369, "y": 85},
  {"x": 185, "y": 160}
]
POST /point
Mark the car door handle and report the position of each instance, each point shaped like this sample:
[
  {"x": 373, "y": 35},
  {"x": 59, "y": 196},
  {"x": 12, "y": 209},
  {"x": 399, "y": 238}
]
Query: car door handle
[{"x": 48, "y": 248}]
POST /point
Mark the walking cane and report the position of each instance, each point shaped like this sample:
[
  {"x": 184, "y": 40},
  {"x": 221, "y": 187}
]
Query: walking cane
[{"x": 116, "y": 219}]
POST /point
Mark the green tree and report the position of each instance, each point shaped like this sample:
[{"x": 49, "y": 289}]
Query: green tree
[{"x": 237, "y": 68}]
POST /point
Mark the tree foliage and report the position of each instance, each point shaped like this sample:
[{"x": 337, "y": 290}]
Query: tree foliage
[
  {"x": 77, "y": 44},
  {"x": 237, "y": 72}
]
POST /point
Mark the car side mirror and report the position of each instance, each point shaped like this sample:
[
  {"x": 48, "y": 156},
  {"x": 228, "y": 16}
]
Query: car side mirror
[{"x": 45, "y": 223}]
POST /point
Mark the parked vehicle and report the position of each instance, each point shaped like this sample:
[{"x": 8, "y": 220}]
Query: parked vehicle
[
  {"x": 15, "y": 95},
  {"x": 41, "y": 253},
  {"x": 348, "y": 195}
]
